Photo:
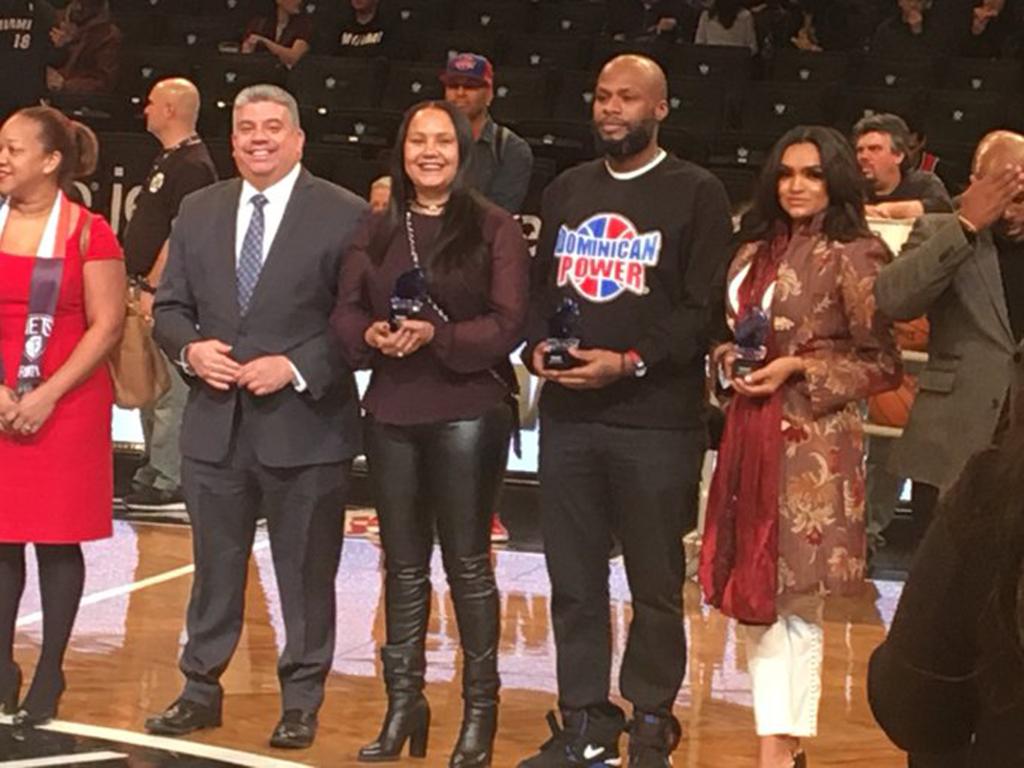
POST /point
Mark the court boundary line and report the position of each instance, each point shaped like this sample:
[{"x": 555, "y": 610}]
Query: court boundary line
[
  {"x": 163, "y": 743},
  {"x": 72, "y": 759},
  {"x": 126, "y": 589}
]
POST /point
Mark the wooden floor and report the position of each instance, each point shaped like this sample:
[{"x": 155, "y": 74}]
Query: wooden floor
[{"x": 122, "y": 663}]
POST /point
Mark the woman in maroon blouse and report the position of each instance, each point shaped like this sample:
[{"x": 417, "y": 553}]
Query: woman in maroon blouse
[
  {"x": 439, "y": 410},
  {"x": 286, "y": 32}
]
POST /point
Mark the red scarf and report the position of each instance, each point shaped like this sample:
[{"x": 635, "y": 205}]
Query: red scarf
[{"x": 740, "y": 546}]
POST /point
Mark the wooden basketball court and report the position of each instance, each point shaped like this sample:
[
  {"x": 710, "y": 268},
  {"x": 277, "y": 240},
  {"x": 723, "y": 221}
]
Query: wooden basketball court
[{"x": 122, "y": 666}]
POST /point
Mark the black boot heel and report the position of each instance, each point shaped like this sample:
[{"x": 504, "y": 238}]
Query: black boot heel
[
  {"x": 406, "y": 720},
  {"x": 475, "y": 746}
]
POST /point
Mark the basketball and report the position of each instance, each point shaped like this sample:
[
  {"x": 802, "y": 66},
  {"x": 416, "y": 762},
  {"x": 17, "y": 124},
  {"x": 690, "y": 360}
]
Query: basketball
[{"x": 892, "y": 409}]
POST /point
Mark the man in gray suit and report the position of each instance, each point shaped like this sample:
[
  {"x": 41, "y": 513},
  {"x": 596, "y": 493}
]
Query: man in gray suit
[
  {"x": 966, "y": 271},
  {"x": 272, "y": 420}
]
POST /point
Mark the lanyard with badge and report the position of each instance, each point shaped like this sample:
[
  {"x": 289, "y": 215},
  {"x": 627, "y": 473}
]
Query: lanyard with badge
[
  {"x": 157, "y": 177},
  {"x": 44, "y": 290}
]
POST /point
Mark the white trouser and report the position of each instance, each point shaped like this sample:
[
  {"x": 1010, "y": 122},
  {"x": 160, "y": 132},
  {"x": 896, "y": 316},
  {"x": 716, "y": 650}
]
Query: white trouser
[{"x": 785, "y": 667}]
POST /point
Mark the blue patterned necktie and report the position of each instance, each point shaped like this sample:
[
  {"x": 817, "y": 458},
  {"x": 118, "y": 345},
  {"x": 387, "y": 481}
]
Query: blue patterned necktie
[{"x": 251, "y": 260}]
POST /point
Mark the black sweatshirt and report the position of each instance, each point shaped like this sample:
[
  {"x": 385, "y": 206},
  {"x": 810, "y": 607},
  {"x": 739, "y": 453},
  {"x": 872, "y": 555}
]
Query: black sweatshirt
[{"x": 640, "y": 256}]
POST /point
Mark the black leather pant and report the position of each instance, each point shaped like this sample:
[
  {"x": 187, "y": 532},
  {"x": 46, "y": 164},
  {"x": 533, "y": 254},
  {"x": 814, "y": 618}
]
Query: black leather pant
[{"x": 447, "y": 473}]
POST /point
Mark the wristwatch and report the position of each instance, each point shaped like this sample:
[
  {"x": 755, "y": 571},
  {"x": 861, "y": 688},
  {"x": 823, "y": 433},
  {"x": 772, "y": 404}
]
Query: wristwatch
[{"x": 639, "y": 366}]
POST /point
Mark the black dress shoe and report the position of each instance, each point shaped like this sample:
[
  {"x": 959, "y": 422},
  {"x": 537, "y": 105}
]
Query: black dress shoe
[
  {"x": 183, "y": 716},
  {"x": 296, "y": 730}
]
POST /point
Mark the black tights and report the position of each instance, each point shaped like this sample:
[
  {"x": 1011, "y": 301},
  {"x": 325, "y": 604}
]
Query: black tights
[{"x": 61, "y": 578}]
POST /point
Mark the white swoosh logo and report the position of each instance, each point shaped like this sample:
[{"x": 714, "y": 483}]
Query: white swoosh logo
[{"x": 591, "y": 752}]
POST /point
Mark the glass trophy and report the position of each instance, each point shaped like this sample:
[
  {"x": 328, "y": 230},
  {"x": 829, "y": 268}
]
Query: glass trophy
[
  {"x": 563, "y": 336},
  {"x": 751, "y": 334},
  {"x": 408, "y": 297}
]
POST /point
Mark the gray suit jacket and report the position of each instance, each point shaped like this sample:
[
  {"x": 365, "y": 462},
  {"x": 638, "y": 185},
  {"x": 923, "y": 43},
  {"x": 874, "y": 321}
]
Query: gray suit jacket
[
  {"x": 971, "y": 351},
  {"x": 288, "y": 315}
]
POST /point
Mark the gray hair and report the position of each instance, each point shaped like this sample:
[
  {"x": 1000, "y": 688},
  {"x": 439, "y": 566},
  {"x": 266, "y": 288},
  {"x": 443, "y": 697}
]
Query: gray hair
[
  {"x": 893, "y": 126},
  {"x": 267, "y": 92}
]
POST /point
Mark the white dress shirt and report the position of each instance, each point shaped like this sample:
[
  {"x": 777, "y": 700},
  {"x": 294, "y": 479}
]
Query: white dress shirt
[{"x": 278, "y": 195}]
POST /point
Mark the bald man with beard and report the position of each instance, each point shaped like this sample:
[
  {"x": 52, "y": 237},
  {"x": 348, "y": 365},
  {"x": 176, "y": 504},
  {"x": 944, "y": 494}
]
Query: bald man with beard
[
  {"x": 965, "y": 270},
  {"x": 183, "y": 166},
  {"x": 632, "y": 244}
]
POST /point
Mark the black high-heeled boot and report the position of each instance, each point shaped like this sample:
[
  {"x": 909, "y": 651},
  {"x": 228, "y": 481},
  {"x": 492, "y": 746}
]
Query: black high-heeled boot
[
  {"x": 408, "y": 715},
  {"x": 475, "y": 595},
  {"x": 10, "y": 691},
  {"x": 476, "y": 738}
]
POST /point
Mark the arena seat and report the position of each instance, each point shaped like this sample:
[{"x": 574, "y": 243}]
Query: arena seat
[
  {"x": 570, "y": 18},
  {"x": 520, "y": 94},
  {"x": 551, "y": 51},
  {"x": 505, "y": 16}
]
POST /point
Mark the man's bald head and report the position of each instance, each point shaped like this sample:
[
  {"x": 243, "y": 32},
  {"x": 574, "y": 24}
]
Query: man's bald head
[
  {"x": 630, "y": 101},
  {"x": 646, "y": 74},
  {"x": 998, "y": 150},
  {"x": 172, "y": 109}
]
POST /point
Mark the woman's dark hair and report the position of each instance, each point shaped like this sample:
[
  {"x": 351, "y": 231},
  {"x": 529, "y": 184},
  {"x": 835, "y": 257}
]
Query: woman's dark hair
[
  {"x": 76, "y": 143},
  {"x": 844, "y": 217},
  {"x": 459, "y": 251},
  {"x": 725, "y": 11}
]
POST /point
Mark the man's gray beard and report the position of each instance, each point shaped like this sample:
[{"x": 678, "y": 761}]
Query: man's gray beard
[{"x": 634, "y": 142}]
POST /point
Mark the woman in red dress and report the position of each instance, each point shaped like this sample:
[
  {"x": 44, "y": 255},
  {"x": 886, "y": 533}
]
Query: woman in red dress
[{"x": 55, "y": 392}]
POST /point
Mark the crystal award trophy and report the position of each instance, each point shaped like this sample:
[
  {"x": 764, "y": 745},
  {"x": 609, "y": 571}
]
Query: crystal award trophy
[
  {"x": 408, "y": 297},
  {"x": 751, "y": 334},
  {"x": 563, "y": 336}
]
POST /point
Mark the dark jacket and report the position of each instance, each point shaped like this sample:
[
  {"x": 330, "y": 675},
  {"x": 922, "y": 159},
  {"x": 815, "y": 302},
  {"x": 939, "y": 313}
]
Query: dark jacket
[
  {"x": 943, "y": 682},
  {"x": 288, "y": 315},
  {"x": 90, "y": 63}
]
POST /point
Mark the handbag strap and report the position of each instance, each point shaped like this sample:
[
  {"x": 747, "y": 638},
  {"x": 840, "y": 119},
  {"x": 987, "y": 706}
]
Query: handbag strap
[{"x": 512, "y": 396}]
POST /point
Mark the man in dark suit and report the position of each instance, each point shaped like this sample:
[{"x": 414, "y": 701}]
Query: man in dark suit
[{"x": 272, "y": 421}]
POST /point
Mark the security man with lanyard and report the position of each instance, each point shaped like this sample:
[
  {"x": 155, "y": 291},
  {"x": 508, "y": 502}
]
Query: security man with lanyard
[{"x": 182, "y": 167}]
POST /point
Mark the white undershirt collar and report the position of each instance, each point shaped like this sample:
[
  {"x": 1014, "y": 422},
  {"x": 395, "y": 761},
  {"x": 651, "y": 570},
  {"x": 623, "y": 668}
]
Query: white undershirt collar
[{"x": 627, "y": 175}]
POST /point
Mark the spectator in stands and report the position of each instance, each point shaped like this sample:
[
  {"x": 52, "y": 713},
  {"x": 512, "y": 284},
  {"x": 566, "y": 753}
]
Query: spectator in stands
[
  {"x": 439, "y": 412},
  {"x": 896, "y": 190},
  {"x": 829, "y": 349},
  {"x": 369, "y": 28},
  {"x": 816, "y": 25},
  {"x": 181, "y": 168},
  {"x": 920, "y": 158},
  {"x": 913, "y": 33},
  {"x": 949, "y": 679},
  {"x": 87, "y": 49},
  {"x": 727, "y": 22},
  {"x": 286, "y": 32},
  {"x": 501, "y": 162},
  {"x": 23, "y": 50},
  {"x": 991, "y": 30},
  {"x": 966, "y": 271},
  {"x": 380, "y": 194},
  {"x": 635, "y": 19}
]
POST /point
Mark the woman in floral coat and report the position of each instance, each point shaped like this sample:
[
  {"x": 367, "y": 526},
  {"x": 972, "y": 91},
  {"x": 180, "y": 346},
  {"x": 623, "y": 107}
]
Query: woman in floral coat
[{"x": 785, "y": 519}]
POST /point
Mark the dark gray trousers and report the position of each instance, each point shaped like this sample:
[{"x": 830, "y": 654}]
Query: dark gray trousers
[{"x": 304, "y": 508}]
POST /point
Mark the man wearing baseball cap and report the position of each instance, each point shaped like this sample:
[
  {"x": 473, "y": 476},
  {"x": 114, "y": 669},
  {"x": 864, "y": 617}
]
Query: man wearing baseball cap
[{"x": 502, "y": 162}]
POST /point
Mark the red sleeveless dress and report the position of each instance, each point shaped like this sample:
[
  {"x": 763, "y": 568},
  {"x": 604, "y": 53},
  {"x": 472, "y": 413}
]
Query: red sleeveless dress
[{"x": 56, "y": 486}]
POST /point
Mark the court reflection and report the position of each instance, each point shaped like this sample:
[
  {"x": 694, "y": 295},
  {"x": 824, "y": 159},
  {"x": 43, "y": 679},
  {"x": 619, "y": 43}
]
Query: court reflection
[{"x": 122, "y": 664}]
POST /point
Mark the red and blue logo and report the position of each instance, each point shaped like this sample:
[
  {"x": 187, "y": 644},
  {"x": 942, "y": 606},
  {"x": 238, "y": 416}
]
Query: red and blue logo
[{"x": 606, "y": 256}]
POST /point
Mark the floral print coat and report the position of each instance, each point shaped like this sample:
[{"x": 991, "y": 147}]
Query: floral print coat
[{"x": 823, "y": 310}]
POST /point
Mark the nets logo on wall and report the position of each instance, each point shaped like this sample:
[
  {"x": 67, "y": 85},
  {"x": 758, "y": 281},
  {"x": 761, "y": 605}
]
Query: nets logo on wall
[{"x": 606, "y": 256}]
